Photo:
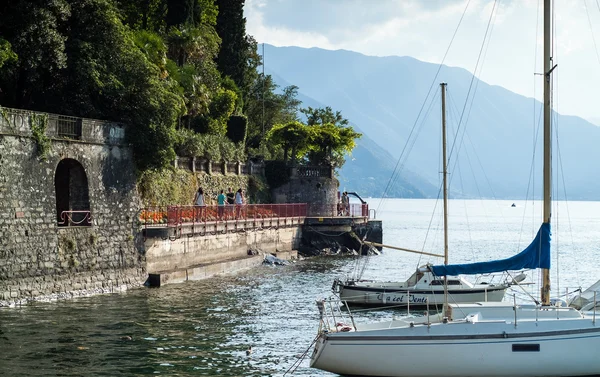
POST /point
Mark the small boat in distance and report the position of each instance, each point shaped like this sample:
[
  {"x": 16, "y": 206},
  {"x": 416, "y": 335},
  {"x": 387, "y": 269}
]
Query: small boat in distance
[{"x": 513, "y": 205}]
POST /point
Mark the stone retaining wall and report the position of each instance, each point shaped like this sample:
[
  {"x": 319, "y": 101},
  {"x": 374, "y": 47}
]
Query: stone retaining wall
[{"x": 40, "y": 258}]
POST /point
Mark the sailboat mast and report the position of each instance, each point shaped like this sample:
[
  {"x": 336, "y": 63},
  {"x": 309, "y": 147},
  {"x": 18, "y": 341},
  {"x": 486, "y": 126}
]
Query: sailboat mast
[
  {"x": 445, "y": 171},
  {"x": 545, "y": 291},
  {"x": 445, "y": 179}
]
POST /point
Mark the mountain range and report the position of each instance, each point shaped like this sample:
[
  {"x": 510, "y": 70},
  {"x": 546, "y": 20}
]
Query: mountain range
[{"x": 494, "y": 140}]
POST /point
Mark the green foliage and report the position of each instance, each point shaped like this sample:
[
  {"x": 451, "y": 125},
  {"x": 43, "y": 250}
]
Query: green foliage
[
  {"x": 320, "y": 144},
  {"x": 320, "y": 116},
  {"x": 276, "y": 173},
  {"x": 238, "y": 58},
  {"x": 189, "y": 143},
  {"x": 39, "y": 125},
  {"x": 228, "y": 151},
  {"x": 7, "y": 55},
  {"x": 236, "y": 128},
  {"x": 274, "y": 109},
  {"x": 33, "y": 31},
  {"x": 143, "y": 14},
  {"x": 258, "y": 190},
  {"x": 330, "y": 143},
  {"x": 167, "y": 187},
  {"x": 153, "y": 46},
  {"x": 158, "y": 65},
  {"x": 229, "y": 84},
  {"x": 221, "y": 108},
  {"x": 265, "y": 152},
  {"x": 210, "y": 146},
  {"x": 293, "y": 136},
  {"x": 212, "y": 149}
]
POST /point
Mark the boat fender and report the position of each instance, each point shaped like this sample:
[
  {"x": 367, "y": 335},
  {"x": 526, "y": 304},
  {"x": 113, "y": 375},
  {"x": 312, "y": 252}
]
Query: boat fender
[
  {"x": 342, "y": 327},
  {"x": 519, "y": 278}
]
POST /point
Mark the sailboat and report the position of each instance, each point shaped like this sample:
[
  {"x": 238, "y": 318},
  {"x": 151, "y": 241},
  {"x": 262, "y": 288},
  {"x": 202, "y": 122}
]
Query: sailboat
[
  {"x": 480, "y": 339},
  {"x": 422, "y": 288}
]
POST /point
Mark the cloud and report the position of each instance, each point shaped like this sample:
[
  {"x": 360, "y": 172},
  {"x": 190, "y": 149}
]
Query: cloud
[
  {"x": 339, "y": 23},
  {"x": 423, "y": 29}
]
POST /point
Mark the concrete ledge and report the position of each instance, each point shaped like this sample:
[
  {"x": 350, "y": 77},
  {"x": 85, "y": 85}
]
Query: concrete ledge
[
  {"x": 158, "y": 279},
  {"x": 335, "y": 221}
]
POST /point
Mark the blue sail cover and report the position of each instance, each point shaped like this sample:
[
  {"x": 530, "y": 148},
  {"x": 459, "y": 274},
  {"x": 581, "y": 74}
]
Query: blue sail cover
[{"x": 536, "y": 255}]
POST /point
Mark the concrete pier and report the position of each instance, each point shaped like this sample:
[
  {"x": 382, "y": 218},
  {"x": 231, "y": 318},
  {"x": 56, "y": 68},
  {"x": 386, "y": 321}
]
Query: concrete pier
[{"x": 201, "y": 250}]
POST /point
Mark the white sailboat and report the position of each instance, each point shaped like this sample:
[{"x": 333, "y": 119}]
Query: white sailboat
[
  {"x": 482, "y": 339},
  {"x": 422, "y": 288}
]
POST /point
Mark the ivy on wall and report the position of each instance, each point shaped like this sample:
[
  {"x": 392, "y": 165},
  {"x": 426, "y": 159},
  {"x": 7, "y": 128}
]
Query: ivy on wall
[
  {"x": 178, "y": 187},
  {"x": 39, "y": 124}
]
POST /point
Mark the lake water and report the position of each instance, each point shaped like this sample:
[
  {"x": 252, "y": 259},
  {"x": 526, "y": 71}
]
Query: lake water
[{"x": 204, "y": 328}]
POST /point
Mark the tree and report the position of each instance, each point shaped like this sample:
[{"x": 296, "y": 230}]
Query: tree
[
  {"x": 330, "y": 143},
  {"x": 33, "y": 29},
  {"x": 7, "y": 55},
  {"x": 321, "y": 116},
  {"x": 293, "y": 136},
  {"x": 237, "y": 57},
  {"x": 264, "y": 108},
  {"x": 146, "y": 15}
]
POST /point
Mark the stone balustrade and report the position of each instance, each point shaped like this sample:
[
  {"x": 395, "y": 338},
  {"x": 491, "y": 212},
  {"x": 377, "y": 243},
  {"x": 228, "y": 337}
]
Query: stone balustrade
[{"x": 19, "y": 122}]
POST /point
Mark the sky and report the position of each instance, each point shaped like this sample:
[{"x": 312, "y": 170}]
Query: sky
[{"x": 510, "y": 57}]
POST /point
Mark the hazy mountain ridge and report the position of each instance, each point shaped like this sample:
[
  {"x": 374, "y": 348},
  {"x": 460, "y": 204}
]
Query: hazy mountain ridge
[
  {"x": 383, "y": 95},
  {"x": 358, "y": 174}
]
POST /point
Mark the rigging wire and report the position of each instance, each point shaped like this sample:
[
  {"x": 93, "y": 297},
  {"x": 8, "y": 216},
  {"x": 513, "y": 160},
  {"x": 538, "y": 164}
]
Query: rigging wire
[
  {"x": 487, "y": 30},
  {"x": 560, "y": 177},
  {"x": 396, "y": 171},
  {"x": 591, "y": 29},
  {"x": 479, "y": 59},
  {"x": 535, "y": 133}
]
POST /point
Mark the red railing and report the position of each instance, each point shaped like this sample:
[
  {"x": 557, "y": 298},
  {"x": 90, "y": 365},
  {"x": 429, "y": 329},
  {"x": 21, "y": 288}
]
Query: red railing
[
  {"x": 334, "y": 210},
  {"x": 175, "y": 215}
]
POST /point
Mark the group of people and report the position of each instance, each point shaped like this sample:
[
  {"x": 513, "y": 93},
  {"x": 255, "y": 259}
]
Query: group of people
[{"x": 224, "y": 201}]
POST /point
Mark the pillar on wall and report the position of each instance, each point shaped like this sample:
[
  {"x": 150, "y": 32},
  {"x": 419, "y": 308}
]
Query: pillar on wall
[
  {"x": 175, "y": 162},
  {"x": 209, "y": 167},
  {"x": 193, "y": 164}
]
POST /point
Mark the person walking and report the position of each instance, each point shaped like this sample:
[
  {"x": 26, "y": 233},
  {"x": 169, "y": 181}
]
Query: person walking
[
  {"x": 239, "y": 202},
  {"x": 346, "y": 204},
  {"x": 221, "y": 199},
  {"x": 199, "y": 202},
  {"x": 230, "y": 202}
]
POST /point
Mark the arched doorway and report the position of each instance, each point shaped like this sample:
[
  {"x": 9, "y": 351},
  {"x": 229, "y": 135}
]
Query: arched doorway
[{"x": 72, "y": 194}]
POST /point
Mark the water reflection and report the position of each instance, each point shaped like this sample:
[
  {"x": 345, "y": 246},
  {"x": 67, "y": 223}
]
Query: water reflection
[{"x": 198, "y": 328}]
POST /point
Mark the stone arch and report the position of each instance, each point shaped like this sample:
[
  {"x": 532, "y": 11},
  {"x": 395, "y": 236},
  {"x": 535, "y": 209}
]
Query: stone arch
[{"x": 72, "y": 194}]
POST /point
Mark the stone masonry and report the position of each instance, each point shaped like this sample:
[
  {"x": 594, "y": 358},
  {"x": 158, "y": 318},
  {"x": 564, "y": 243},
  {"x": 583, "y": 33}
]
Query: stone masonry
[{"x": 41, "y": 258}]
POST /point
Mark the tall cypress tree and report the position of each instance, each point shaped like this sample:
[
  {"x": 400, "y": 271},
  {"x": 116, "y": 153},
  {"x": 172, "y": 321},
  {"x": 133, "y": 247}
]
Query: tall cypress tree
[
  {"x": 182, "y": 12},
  {"x": 237, "y": 56}
]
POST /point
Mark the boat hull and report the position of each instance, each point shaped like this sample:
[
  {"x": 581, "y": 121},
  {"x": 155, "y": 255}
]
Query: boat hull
[
  {"x": 465, "y": 349},
  {"x": 374, "y": 296}
]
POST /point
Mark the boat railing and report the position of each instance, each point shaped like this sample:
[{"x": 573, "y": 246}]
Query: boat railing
[{"x": 333, "y": 317}]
